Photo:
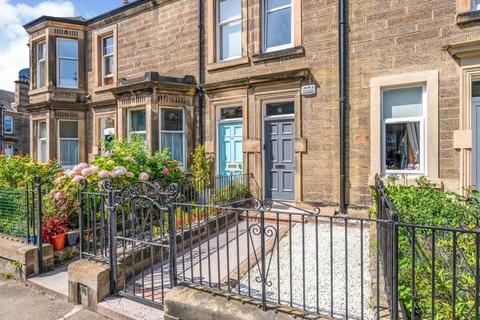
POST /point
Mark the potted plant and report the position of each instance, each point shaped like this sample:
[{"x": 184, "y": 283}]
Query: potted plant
[{"x": 54, "y": 231}]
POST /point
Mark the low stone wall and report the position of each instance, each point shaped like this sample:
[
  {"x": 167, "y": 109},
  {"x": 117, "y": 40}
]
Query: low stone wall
[
  {"x": 191, "y": 303},
  {"x": 20, "y": 260}
]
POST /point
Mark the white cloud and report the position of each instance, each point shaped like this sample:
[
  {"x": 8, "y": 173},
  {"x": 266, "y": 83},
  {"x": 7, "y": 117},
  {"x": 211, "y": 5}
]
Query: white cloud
[{"x": 14, "y": 39}]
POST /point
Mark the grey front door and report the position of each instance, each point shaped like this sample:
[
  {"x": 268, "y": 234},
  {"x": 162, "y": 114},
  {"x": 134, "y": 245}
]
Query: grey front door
[{"x": 279, "y": 159}]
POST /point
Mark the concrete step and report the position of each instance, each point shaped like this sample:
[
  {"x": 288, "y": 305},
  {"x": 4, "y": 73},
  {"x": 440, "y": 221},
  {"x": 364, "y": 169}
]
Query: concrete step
[{"x": 54, "y": 283}]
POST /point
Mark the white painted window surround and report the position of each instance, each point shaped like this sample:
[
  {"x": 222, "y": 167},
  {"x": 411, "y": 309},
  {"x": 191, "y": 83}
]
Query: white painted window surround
[{"x": 422, "y": 111}]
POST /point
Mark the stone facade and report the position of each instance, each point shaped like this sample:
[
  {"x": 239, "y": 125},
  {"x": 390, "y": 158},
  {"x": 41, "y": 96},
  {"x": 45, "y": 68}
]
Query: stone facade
[
  {"x": 16, "y": 138},
  {"x": 430, "y": 44}
]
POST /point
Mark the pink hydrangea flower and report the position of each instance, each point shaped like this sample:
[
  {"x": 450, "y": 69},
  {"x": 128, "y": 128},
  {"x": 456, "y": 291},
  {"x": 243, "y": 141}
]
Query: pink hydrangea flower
[
  {"x": 77, "y": 179},
  {"x": 79, "y": 167},
  {"x": 103, "y": 174},
  {"x": 86, "y": 172},
  {"x": 143, "y": 176},
  {"x": 165, "y": 171},
  {"x": 129, "y": 175},
  {"x": 59, "y": 195}
]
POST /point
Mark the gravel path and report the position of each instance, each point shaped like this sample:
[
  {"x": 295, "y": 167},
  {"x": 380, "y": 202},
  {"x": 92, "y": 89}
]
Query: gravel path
[{"x": 308, "y": 266}]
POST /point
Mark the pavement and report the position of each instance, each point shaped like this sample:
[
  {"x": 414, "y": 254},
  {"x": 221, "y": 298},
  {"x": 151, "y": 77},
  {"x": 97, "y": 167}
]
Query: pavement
[{"x": 20, "y": 302}]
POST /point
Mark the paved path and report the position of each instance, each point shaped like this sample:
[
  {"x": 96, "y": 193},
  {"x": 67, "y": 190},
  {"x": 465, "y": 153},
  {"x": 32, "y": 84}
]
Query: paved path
[
  {"x": 20, "y": 302},
  {"x": 227, "y": 261}
]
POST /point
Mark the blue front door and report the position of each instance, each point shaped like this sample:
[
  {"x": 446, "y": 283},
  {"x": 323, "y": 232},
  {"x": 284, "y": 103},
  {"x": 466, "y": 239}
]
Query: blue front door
[{"x": 230, "y": 148}]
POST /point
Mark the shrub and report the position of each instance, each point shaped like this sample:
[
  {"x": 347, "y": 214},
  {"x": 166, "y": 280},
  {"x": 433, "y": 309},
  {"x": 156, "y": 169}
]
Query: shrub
[
  {"x": 124, "y": 162},
  {"x": 16, "y": 170},
  {"x": 428, "y": 205}
]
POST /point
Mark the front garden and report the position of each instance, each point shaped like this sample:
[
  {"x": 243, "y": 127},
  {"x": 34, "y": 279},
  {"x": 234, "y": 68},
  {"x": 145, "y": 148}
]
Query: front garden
[
  {"x": 437, "y": 266},
  {"x": 123, "y": 163}
]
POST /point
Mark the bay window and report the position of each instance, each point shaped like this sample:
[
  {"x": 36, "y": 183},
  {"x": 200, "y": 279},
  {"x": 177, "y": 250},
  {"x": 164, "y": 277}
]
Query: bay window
[
  {"x": 137, "y": 123},
  {"x": 67, "y": 63},
  {"x": 8, "y": 124},
  {"x": 172, "y": 133},
  {"x": 277, "y": 25},
  {"x": 41, "y": 64},
  {"x": 229, "y": 29},
  {"x": 68, "y": 142},
  {"x": 107, "y": 60},
  {"x": 403, "y": 113},
  {"x": 42, "y": 142}
]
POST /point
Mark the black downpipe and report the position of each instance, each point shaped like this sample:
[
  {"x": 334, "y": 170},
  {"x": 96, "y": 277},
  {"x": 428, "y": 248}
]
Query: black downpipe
[
  {"x": 342, "y": 43},
  {"x": 201, "y": 80}
]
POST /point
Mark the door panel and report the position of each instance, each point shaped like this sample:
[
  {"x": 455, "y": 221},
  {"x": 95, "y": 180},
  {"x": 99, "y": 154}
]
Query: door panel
[
  {"x": 279, "y": 159},
  {"x": 230, "y": 148}
]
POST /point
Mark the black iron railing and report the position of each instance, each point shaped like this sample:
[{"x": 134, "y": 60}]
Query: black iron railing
[
  {"x": 278, "y": 255},
  {"x": 21, "y": 215}
]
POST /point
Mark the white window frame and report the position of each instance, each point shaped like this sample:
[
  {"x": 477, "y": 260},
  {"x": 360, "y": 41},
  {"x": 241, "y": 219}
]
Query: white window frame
[
  {"x": 104, "y": 56},
  {"x": 40, "y": 77},
  {"x": 60, "y": 139},
  {"x": 220, "y": 24},
  {"x": 129, "y": 119},
  {"x": 40, "y": 140},
  {"x": 475, "y": 150},
  {"x": 265, "y": 25},
  {"x": 422, "y": 121},
  {"x": 184, "y": 160},
  {"x": 66, "y": 58},
  {"x": 11, "y": 121}
]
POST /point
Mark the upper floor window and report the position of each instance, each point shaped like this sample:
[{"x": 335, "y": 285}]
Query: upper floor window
[
  {"x": 229, "y": 29},
  {"x": 8, "y": 124},
  {"x": 107, "y": 60},
  {"x": 68, "y": 141},
  {"x": 403, "y": 129},
  {"x": 67, "y": 63},
  {"x": 278, "y": 26},
  {"x": 41, "y": 64}
]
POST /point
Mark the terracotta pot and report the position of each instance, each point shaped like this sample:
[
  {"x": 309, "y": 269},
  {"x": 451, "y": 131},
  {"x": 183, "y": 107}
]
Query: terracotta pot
[{"x": 58, "y": 241}]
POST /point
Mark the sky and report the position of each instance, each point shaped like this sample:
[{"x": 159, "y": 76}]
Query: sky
[{"x": 13, "y": 38}]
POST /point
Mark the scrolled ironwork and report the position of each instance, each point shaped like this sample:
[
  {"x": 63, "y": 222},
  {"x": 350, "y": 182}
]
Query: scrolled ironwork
[{"x": 267, "y": 231}]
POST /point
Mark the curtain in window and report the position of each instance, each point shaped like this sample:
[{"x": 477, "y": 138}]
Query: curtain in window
[
  {"x": 42, "y": 151},
  {"x": 413, "y": 131},
  {"x": 174, "y": 143},
  {"x": 68, "y": 152}
]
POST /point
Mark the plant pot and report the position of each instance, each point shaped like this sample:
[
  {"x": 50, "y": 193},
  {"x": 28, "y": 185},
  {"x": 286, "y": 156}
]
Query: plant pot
[
  {"x": 58, "y": 241},
  {"x": 72, "y": 237}
]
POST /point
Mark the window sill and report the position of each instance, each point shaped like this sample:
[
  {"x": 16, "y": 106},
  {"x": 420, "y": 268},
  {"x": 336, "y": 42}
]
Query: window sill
[
  {"x": 104, "y": 87},
  {"x": 228, "y": 64},
  {"x": 280, "y": 54},
  {"x": 466, "y": 17}
]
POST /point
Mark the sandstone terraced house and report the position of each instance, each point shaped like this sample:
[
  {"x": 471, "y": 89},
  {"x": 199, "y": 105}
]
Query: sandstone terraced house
[{"x": 257, "y": 82}]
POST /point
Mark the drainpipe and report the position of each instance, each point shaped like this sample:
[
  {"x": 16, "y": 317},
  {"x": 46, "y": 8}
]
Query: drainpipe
[
  {"x": 200, "y": 93},
  {"x": 342, "y": 50}
]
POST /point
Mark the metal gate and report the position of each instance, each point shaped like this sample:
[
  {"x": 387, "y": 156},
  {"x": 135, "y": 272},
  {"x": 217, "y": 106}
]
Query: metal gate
[{"x": 131, "y": 229}]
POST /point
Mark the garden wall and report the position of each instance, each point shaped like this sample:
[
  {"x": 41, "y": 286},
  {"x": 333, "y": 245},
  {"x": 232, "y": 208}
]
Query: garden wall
[{"x": 20, "y": 260}]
